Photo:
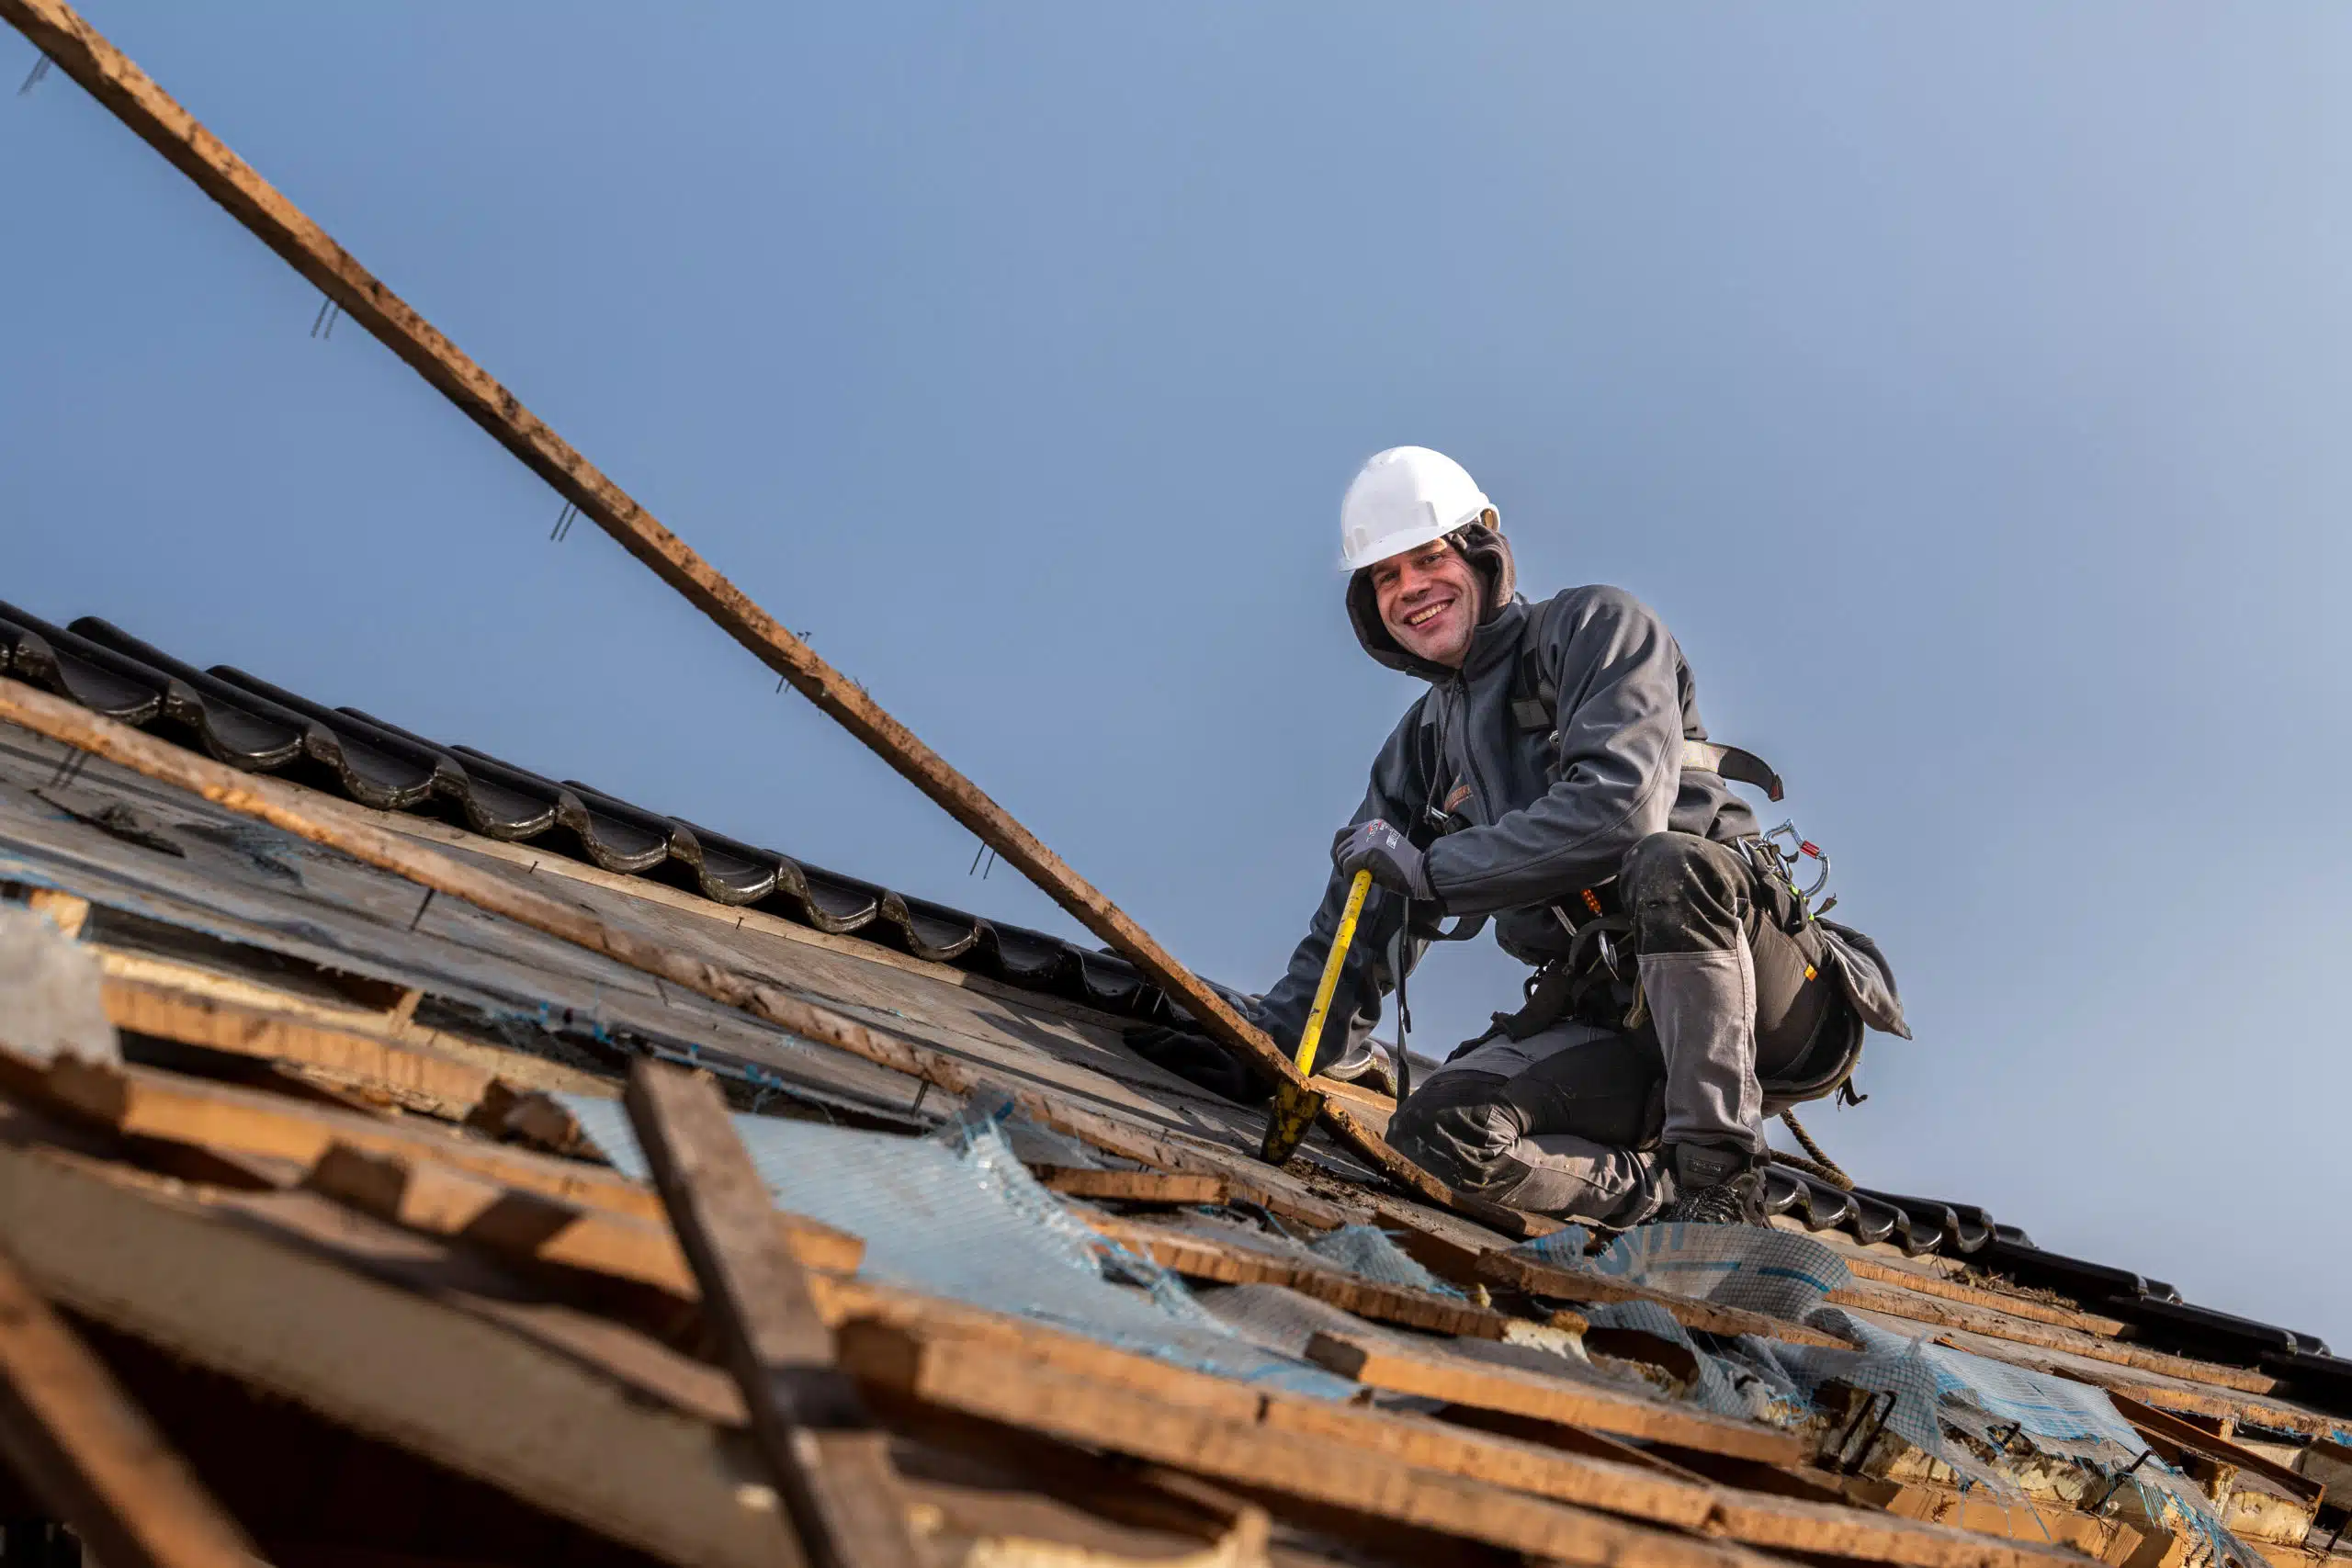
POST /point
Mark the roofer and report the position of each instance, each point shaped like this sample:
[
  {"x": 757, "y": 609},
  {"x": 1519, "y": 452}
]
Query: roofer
[{"x": 1556, "y": 778}]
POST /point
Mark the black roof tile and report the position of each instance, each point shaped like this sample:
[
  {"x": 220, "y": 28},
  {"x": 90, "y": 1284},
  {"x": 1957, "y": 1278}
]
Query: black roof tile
[{"x": 254, "y": 724}]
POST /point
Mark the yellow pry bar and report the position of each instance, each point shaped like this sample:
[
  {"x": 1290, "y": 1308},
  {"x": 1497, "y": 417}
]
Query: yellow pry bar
[{"x": 1294, "y": 1109}]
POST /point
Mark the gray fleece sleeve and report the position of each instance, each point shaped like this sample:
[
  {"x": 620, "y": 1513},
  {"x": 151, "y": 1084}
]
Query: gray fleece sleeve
[
  {"x": 1620, "y": 720},
  {"x": 1364, "y": 978}
]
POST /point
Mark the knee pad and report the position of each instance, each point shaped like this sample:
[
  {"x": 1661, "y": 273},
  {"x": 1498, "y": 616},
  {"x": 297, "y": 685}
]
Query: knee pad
[{"x": 1460, "y": 1128}]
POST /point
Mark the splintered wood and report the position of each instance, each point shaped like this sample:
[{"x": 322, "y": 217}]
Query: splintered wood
[{"x": 825, "y": 1454}]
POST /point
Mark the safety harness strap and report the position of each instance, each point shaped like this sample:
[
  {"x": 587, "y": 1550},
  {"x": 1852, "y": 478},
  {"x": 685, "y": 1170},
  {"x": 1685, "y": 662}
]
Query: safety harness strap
[{"x": 1535, "y": 699}]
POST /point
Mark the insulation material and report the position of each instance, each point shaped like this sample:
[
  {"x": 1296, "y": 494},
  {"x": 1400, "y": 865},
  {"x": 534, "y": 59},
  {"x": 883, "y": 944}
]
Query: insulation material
[
  {"x": 956, "y": 1216},
  {"x": 56, "y": 1002}
]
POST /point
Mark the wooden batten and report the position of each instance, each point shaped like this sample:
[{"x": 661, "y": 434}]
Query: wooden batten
[
  {"x": 1173, "y": 1189},
  {"x": 1386, "y": 1364},
  {"x": 1509, "y": 1273},
  {"x": 1226, "y": 1263}
]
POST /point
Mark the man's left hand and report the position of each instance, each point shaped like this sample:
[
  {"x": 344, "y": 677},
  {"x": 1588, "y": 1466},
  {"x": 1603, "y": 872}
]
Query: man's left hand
[{"x": 1390, "y": 856}]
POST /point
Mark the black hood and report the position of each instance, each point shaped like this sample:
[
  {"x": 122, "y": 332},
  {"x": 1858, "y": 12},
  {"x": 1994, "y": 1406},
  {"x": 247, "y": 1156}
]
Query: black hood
[{"x": 1489, "y": 554}]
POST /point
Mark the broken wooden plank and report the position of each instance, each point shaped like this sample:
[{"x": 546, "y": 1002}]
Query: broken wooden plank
[
  {"x": 146, "y": 1103},
  {"x": 1999, "y": 1324},
  {"x": 1203, "y": 1258},
  {"x": 413, "y": 1077},
  {"x": 826, "y": 1458},
  {"x": 2257, "y": 1497},
  {"x": 1173, "y": 1187},
  {"x": 548, "y": 1425},
  {"x": 1447, "y": 1480},
  {"x": 1378, "y": 1363},
  {"x": 991, "y": 1383},
  {"x": 1376, "y": 1435},
  {"x": 441, "y": 1201},
  {"x": 2016, "y": 1305},
  {"x": 133, "y": 97},
  {"x": 2110, "y": 1541},
  {"x": 2174, "y": 1434},
  {"x": 1562, "y": 1284},
  {"x": 522, "y": 1069},
  {"x": 92, "y": 1456}
]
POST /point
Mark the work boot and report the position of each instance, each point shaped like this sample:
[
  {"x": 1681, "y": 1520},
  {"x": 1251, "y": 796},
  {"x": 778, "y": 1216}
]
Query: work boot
[{"x": 1713, "y": 1185}]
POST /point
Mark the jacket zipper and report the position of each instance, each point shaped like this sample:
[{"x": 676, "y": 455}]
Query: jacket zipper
[{"x": 1470, "y": 757}]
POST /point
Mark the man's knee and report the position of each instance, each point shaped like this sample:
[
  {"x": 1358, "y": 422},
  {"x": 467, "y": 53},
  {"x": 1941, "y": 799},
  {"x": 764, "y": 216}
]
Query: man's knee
[
  {"x": 1686, "y": 893},
  {"x": 1460, "y": 1129}
]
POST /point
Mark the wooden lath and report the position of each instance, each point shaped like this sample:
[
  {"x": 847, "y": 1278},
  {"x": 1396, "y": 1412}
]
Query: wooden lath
[{"x": 111, "y": 77}]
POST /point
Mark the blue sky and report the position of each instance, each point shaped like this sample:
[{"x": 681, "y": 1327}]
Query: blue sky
[{"x": 1967, "y": 387}]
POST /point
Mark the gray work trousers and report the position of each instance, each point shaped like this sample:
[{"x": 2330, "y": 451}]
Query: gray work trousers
[{"x": 1570, "y": 1121}]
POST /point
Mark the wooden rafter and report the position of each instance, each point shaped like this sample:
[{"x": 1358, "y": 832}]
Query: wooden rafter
[{"x": 110, "y": 76}]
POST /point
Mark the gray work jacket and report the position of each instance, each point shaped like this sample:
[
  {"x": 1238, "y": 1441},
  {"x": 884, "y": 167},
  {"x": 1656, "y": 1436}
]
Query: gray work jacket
[{"x": 1532, "y": 816}]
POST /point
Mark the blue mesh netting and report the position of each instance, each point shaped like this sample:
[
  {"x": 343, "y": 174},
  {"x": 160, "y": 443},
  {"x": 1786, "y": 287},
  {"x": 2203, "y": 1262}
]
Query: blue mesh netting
[
  {"x": 1366, "y": 1251},
  {"x": 955, "y": 1215}
]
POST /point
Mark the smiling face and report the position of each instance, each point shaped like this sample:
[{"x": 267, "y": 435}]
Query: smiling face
[{"x": 1428, "y": 599}]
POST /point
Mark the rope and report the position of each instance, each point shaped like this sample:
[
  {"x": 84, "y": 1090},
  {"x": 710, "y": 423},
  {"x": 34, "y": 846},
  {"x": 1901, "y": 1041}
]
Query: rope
[{"x": 1820, "y": 1165}]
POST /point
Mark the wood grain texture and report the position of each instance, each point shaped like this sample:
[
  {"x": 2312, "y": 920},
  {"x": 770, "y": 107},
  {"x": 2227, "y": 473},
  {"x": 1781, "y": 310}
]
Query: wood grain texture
[
  {"x": 1433, "y": 1374},
  {"x": 1927, "y": 1284},
  {"x": 1203, "y": 1258},
  {"x": 2001, "y": 1324},
  {"x": 413, "y": 1077},
  {"x": 991, "y": 1383},
  {"x": 288, "y": 1313},
  {"x": 828, "y": 1461},
  {"x": 146, "y": 1103},
  {"x": 111, "y": 77},
  {"x": 92, "y": 1456},
  {"x": 1173, "y": 1187},
  {"x": 1537, "y": 1280}
]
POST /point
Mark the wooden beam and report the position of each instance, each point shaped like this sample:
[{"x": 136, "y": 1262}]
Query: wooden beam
[
  {"x": 127, "y": 92},
  {"x": 991, "y": 1383},
  {"x": 1378, "y": 1363},
  {"x": 1915, "y": 1279},
  {"x": 828, "y": 1461},
  {"x": 1573, "y": 1285},
  {"x": 145, "y": 1103},
  {"x": 1395, "y": 1469},
  {"x": 1204, "y": 1257},
  {"x": 2110, "y": 1541},
  {"x": 1175, "y": 1189},
  {"x": 449, "y": 1087},
  {"x": 287, "y": 1314},
  {"x": 92, "y": 1456},
  {"x": 457, "y": 1205},
  {"x": 1999, "y": 1324}
]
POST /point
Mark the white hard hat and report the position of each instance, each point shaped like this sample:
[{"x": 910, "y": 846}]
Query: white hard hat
[{"x": 1402, "y": 497}]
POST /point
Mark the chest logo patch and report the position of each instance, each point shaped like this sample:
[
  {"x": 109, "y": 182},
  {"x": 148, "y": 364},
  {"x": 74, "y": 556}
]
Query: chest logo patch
[{"x": 1461, "y": 793}]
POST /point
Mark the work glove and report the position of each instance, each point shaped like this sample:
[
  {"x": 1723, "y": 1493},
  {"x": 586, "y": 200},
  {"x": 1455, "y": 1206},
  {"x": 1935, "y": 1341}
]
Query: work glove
[{"x": 1390, "y": 856}]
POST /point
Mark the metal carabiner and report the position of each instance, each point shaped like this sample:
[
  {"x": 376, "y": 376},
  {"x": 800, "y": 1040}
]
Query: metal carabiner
[{"x": 1800, "y": 846}]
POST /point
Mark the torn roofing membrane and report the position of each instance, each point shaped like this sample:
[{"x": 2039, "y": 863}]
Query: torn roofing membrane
[{"x": 251, "y": 724}]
